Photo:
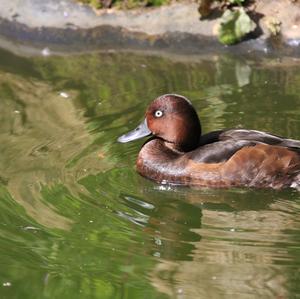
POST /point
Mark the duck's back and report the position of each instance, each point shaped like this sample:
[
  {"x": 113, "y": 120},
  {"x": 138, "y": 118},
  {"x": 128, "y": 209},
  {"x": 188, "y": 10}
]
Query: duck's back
[{"x": 249, "y": 135}]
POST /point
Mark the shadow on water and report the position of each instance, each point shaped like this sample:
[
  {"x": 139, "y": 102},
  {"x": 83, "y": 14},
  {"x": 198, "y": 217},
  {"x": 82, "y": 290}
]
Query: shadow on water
[{"x": 77, "y": 221}]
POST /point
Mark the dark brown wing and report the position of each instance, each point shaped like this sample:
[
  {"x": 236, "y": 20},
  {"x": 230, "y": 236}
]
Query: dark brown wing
[
  {"x": 219, "y": 146},
  {"x": 219, "y": 151}
]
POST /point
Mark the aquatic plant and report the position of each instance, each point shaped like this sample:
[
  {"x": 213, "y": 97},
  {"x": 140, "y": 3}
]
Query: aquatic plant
[{"x": 235, "y": 22}]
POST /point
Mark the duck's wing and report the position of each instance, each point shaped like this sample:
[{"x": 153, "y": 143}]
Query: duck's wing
[
  {"x": 219, "y": 146},
  {"x": 218, "y": 151}
]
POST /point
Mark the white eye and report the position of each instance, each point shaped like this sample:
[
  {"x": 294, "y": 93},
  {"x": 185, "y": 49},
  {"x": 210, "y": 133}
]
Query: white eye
[{"x": 158, "y": 113}]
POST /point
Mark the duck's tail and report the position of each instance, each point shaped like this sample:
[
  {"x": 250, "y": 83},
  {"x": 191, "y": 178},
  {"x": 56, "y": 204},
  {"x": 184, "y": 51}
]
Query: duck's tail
[{"x": 296, "y": 182}]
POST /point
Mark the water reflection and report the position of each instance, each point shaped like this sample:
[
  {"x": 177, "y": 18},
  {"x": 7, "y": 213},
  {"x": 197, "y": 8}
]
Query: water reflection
[
  {"x": 169, "y": 226},
  {"x": 78, "y": 221},
  {"x": 229, "y": 243},
  {"x": 212, "y": 243}
]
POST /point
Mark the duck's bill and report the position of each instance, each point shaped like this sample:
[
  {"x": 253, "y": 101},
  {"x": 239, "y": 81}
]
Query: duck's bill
[{"x": 141, "y": 131}]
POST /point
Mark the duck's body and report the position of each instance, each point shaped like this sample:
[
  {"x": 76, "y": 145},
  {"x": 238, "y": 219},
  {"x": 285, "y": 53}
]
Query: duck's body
[
  {"x": 178, "y": 154},
  {"x": 223, "y": 163}
]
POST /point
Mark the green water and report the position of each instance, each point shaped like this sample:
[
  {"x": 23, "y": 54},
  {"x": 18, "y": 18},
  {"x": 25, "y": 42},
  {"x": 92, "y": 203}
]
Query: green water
[{"x": 77, "y": 221}]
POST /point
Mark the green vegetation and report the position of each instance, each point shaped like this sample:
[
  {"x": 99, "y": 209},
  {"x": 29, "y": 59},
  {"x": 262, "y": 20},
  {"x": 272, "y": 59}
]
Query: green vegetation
[
  {"x": 235, "y": 22},
  {"x": 125, "y": 4}
]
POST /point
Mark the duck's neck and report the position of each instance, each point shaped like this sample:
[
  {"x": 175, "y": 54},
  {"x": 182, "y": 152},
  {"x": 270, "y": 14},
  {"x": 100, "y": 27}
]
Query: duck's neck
[
  {"x": 190, "y": 142},
  {"x": 156, "y": 159}
]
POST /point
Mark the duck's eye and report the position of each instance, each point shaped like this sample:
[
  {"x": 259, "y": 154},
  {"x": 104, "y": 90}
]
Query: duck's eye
[{"x": 158, "y": 113}]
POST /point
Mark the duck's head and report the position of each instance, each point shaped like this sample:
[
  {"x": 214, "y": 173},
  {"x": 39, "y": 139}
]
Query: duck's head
[{"x": 172, "y": 118}]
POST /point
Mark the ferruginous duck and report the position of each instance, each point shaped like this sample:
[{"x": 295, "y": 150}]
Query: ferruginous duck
[{"x": 178, "y": 154}]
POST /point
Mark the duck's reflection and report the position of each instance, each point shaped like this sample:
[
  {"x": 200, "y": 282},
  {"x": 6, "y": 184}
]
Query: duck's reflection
[
  {"x": 169, "y": 226},
  {"x": 218, "y": 244}
]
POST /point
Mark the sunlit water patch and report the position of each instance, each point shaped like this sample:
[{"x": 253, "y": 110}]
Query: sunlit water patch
[{"x": 77, "y": 221}]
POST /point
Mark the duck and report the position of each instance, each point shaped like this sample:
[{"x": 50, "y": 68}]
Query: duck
[{"x": 177, "y": 153}]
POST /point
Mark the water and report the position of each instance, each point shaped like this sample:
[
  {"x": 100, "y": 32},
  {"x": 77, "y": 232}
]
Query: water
[{"x": 77, "y": 221}]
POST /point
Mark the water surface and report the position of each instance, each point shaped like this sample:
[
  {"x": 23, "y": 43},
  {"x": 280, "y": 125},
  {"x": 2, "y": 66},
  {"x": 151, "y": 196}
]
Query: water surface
[{"x": 77, "y": 221}]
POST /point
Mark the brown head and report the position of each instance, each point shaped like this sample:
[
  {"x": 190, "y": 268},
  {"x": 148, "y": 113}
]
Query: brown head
[{"x": 172, "y": 118}]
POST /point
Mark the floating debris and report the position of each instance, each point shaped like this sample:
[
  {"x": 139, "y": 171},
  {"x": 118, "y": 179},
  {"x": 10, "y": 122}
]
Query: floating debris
[
  {"x": 180, "y": 291},
  {"x": 157, "y": 241},
  {"x": 30, "y": 228},
  {"x": 64, "y": 94},
  {"x": 46, "y": 52}
]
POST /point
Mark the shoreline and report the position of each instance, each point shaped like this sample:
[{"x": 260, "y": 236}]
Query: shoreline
[{"x": 66, "y": 26}]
